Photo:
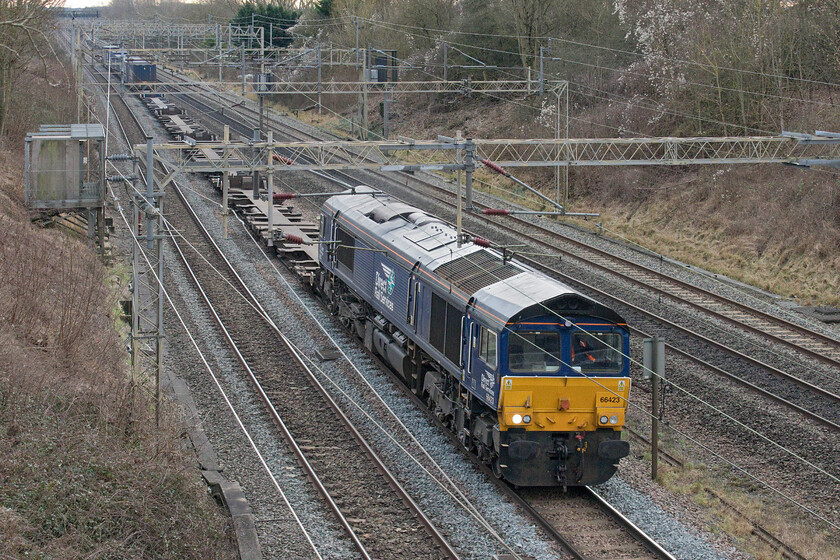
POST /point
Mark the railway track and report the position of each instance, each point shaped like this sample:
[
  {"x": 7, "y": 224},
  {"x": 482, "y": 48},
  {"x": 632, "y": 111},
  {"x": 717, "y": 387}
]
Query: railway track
[
  {"x": 804, "y": 385},
  {"x": 814, "y": 398},
  {"x": 816, "y": 402},
  {"x": 621, "y": 536},
  {"x": 373, "y": 507},
  {"x": 600, "y": 530},
  {"x": 326, "y": 442}
]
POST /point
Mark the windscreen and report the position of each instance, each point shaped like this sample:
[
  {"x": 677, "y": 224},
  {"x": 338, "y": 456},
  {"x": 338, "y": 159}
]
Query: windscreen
[
  {"x": 534, "y": 352},
  {"x": 596, "y": 352}
]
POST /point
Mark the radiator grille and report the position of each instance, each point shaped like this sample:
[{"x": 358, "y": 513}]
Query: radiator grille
[{"x": 477, "y": 270}]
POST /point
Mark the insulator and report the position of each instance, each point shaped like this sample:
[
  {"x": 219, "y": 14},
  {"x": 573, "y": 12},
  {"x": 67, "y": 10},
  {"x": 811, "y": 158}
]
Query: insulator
[
  {"x": 284, "y": 196},
  {"x": 293, "y": 239},
  {"x": 120, "y": 178},
  {"x": 284, "y": 159},
  {"x": 495, "y": 212},
  {"x": 495, "y": 167},
  {"x": 120, "y": 157},
  {"x": 481, "y": 242}
]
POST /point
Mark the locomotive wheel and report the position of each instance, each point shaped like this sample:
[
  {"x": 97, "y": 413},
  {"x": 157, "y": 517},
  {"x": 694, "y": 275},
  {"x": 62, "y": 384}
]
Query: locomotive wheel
[
  {"x": 465, "y": 440},
  {"x": 497, "y": 470}
]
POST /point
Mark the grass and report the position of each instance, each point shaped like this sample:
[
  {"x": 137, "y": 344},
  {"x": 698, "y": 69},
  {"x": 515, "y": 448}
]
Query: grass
[
  {"x": 780, "y": 519},
  {"x": 796, "y": 266},
  {"x": 769, "y": 251}
]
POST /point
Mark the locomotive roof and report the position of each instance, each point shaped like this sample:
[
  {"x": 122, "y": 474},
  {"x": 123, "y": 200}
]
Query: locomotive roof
[{"x": 504, "y": 291}]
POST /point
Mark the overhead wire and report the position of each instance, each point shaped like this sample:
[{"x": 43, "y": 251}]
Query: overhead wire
[
  {"x": 736, "y": 465},
  {"x": 463, "y": 501},
  {"x": 548, "y": 38},
  {"x": 681, "y": 82},
  {"x": 640, "y": 103},
  {"x": 138, "y": 247}
]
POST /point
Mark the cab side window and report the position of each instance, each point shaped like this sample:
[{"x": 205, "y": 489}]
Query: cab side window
[{"x": 487, "y": 347}]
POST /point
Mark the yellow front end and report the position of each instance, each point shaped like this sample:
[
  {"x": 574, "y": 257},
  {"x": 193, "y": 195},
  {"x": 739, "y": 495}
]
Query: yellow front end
[
  {"x": 561, "y": 431},
  {"x": 563, "y": 404}
]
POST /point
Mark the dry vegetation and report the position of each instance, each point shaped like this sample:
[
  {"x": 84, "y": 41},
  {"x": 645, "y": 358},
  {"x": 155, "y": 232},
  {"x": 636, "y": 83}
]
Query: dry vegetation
[
  {"x": 700, "y": 474},
  {"x": 771, "y": 227},
  {"x": 784, "y": 521},
  {"x": 83, "y": 471}
]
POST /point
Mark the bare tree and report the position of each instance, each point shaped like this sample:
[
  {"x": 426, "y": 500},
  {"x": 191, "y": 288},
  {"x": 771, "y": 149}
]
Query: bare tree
[
  {"x": 23, "y": 37},
  {"x": 530, "y": 19}
]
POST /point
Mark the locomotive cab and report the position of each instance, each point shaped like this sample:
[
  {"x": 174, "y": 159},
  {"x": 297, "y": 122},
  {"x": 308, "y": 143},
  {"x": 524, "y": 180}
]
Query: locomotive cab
[{"x": 562, "y": 400}]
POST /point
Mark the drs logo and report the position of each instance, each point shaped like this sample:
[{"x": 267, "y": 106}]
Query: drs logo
[{"x": 383, "y": 286}]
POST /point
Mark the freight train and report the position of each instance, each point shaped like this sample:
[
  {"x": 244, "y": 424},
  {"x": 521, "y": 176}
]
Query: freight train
[
  {"x": 531, "y": 375},
  {"x": 138, "y": 71},
  {"x": 127, "y": 68}
]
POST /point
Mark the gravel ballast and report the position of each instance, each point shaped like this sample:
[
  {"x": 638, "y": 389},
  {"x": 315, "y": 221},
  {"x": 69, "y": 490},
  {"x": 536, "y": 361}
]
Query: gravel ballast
[{"x": 284, "y": 311}]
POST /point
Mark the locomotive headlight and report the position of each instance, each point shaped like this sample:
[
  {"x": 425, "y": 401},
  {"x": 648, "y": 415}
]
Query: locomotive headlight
[
  {"x": 613, "y": 419},
  {"x": 604, "y": 419},
  {"x": 526, "y": 418},
  {"x": 517, "y": 418}
]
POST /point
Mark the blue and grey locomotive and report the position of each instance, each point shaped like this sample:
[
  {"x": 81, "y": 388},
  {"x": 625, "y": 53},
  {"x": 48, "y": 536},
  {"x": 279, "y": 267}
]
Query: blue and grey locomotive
[{"x": 530, "y": 374}]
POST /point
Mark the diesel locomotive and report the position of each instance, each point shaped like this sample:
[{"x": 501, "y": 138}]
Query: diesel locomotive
[{"x": 531, "y": 375}]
